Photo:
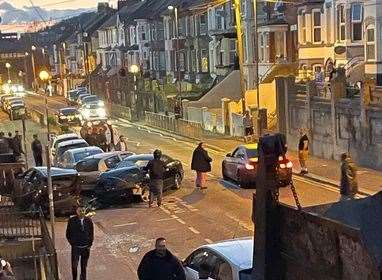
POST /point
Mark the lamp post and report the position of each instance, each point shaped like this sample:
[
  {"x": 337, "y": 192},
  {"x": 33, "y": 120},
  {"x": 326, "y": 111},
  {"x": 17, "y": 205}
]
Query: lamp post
[
  {"x": 177, "y": 58},
  {"x": 134, "y": 69},
  {"x": 45, "y": 76},
  {"x": 8, "y": 66},
  {"x": 33, "y": 48}
]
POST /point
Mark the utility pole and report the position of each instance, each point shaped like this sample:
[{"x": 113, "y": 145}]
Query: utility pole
[{"x": 256, "y": 60}]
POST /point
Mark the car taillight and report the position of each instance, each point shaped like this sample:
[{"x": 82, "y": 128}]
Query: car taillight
[
  {"x": 249, "y": 166},
  {"x": 287, "y": 164}
]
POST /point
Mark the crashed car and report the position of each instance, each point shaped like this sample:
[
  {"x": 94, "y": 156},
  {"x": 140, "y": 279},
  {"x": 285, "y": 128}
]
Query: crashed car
[
  {"x": 31, "y": 191},
  {"x": 128, "y": 179}
]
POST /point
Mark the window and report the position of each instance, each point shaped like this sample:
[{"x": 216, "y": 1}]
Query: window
[
  {"x": 303, "y": 27},
  {"x": 261, "y": 48},
  {"x": 112, "y": 162},
  {"x": 232, "y": 51},
  {"x": 203, "y": 260},
  {"x": 341, "y": 23},
  {"x": 89, "y": 165},
  {"x": 356, "y": 20},
  {"x": 370, "y": 42},
  {"x": 317, "y": 27}
]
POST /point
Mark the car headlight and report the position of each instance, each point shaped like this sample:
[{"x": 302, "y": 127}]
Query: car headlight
[
  {"x": 86, "y": 113},
  {"x": 14, "y": 88},
  {"x": 63, "y": 117},
  {"x": 101, "y": 103},
  {"x": 101, "y": 112},
  {"x": 20, "y": 88}
]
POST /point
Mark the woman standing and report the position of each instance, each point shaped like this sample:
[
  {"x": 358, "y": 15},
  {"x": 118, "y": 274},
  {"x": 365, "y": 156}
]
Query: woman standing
[{"x": 201, "y": 163}]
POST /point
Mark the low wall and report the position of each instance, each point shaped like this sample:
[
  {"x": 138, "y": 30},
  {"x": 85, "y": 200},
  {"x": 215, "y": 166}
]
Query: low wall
[
  {"x": 121, "y": 111},
  {"x": 236, "y": 125}
]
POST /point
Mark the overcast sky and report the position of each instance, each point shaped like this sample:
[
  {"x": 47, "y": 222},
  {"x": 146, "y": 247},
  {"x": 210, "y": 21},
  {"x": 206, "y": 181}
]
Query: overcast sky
[{"x": 58, "y": 4}]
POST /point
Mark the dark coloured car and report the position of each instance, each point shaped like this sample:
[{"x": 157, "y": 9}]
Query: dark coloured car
[
  {"x": 129, "y": 178},
  {"x": 92, "y": 166},
  {"x": 31, "y": 189},
  {"x": 242, "y": 166},
  {"x": 68, "y": 116}
]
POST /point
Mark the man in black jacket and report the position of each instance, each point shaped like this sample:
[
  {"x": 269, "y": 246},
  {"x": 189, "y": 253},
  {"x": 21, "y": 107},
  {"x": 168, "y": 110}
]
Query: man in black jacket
[
  {"x": 201, "y": 163},
  {"x": 17, "y": 146},
  {"x": 156, "y": 168},
  {"x": 80, "y": 234},
  {"x": 160, "y": 264},
  {"x": 37, "y": 150}
]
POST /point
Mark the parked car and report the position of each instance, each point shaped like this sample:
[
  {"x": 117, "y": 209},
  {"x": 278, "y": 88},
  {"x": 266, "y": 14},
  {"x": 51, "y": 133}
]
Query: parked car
[
  {"x": 62, "y": 138},
  {"x": 75, "y": 93},
  {"x": 82, "y": 96},
  {"x": 129, "y": 178},
  {"x": 92, "y": 166},
  {"x": 14, "y": 103},
  {"x": 68, "y": 116},
  {"x": 91, "y": 99},
  {"x": 70, "y": 158},
  {"x": 231, "y": 259},
  {"x": 242, "y": 166},
  {"x": 31, "y": 191},
  {"x": 17, "y": 111},
  {"x": 65, "y": 146},
  {"x": 7, "y": 101}
]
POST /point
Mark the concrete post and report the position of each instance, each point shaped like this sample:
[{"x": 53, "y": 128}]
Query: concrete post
[{"x": 225, "y": 114}]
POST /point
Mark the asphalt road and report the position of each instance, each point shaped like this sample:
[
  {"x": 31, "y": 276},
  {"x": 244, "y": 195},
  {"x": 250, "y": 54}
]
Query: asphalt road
[{"x": 188, "y": 218}]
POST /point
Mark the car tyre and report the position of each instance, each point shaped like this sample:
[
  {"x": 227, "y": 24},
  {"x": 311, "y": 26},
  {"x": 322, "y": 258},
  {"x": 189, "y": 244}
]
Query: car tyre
[
  {"x": 177, "y": 181},
  {"x": 225, "y": 177}
]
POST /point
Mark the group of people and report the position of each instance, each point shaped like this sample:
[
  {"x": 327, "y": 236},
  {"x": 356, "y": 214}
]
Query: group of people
[
  {"x": 11, "y": 144},
  {"x": 348, "y": 183}
]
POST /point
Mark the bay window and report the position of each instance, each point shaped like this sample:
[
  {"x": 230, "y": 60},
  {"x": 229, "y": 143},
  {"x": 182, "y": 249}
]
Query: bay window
[
  {"x": 370, "y": 42},
  {"x": 317, "y": 27},
  {"x": 341, "y": 23},
  {"x": 356, "y": 21}
]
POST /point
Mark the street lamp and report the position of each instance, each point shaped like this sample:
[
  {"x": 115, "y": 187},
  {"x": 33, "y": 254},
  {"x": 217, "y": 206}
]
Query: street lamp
[
  {"x": 134, "y": 69},
  {"x": 177, "y": 58},
  {"x": 33, "y": 48},
  {"x": 8, "y": 66},
  {"x": 44, "y": 77}
]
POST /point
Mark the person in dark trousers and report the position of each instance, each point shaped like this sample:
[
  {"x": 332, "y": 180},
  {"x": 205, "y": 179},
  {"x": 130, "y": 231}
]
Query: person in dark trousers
[
  {"x": 156, "y": 169},
  {"x": 201, "y": 163},
  {"x": 17, "y": 146},
  {"x": 4, "y": 145},
  {"x": 160, "y": 264},
  {"x": 37, "y": 150},
  {"x": 80, "y": 235},
  {"x": 349, "y": 184},
  {"x": 303, "y": 151}
]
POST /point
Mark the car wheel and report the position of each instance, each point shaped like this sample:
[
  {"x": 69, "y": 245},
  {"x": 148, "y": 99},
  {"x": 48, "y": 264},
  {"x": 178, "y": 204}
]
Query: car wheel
[
  {"x": 241, "y": 182},
  {"x": 177, "y": 181},
  {"x": 225, "y": 177},
  {"x": 145, "y": 195}
]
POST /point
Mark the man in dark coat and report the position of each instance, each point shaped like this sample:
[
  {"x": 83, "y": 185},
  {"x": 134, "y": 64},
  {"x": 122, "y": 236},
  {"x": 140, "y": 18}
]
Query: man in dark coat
[
  {"x": 160, "y": 264},
  {"x": 349, "y": 184},
  {"x": 80, "y": 235},
  {"x": 201, "y": 163},
  {"x": 37, "y": 150},
  {"x": 17, "y": 146},
  {"x": 156, "y": 169}
]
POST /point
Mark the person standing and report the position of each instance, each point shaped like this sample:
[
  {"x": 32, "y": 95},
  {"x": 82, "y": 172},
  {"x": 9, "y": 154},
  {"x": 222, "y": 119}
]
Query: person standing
[
  {"x": 201, "y": 163},
  {"x": 37, "y": 150},
  {"x": 80, "y": 235},
  {"x": 160, "y": 264},
  {"x": 17, "y": 146},
  {"x": 156, "y": 169},
  {"x": 4, "y": 145},
  {"x": 121, "y": 145},
  {"x": 303, "y": 151},
  {"x": 248, "y": 126},
  {"x": 349, "y": 184}
]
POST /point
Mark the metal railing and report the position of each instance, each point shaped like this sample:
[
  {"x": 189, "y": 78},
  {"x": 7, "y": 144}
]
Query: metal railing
[{"x": 28, "y": 232}]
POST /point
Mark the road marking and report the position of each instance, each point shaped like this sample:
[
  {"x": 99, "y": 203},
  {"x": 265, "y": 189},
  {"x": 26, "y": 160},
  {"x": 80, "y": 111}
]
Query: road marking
[
  {"x": 209, "y": 241},
  {"x": 165, "y": 219},
  {"x": 193, "y": 230},
  {"x": 181, "y": 221},
  {"x": 230, "y": 184},
  {"x": 210, "y": 175},
  {"x": 165, "y": 210},
  {"x": 174, "y": 217},
  {"x": 128, "y": 224},
  {"x": 185, "y": 164}
]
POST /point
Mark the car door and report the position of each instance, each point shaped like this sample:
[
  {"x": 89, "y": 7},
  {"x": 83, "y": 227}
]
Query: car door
[
  {"x": 229, "y": 164},
  {"x": 169, "y": 175},
  {"x": 88, "y": 172},
  {"x": 201, "y": 261},
  {"x": 238, "y": 162}
]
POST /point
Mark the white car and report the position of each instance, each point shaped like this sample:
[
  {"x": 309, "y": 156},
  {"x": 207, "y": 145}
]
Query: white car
[
  {"x": 65, "y": 146},
  {"x": 226, "y": 260},
  {"x": 62, "y": 138},
  {"x": 70, "y": 158}
]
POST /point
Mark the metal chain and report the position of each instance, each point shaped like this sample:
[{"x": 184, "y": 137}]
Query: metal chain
[
  {"x": 275, "y": 195},
  {"x": 297, "y": 201}
]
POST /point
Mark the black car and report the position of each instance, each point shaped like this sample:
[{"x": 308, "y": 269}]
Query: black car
[
  {"x": 129, "y": 179},
  {"x": 31, "y": 189},
  {"x": 67, "y": 116}
]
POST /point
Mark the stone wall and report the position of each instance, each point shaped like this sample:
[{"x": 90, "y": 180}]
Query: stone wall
[{"x": 334, "y": 124}]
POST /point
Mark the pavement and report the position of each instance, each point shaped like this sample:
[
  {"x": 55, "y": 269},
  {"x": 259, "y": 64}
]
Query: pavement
[{"x": 188, "y": 218}]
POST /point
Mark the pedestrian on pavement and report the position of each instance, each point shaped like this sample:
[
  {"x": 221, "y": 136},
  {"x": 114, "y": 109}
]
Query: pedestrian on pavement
[
  {"x": 248, "y": 126},
  {"x": 349, "y": 184},
  {"x": 156, "y": 169},
  {"x": 201, "y": 163},
  {"x": 4, "y": 145},
  {"x": 17, "y": 146},
  {"x": 160, "y": 264},
  {"x": 303, "y": 151},
  {"x": 108, "y": 137},
  {"x": 37, "y": 150},
  {"x": 122, "y": 144},
  {"x": 80, "y": 235}
]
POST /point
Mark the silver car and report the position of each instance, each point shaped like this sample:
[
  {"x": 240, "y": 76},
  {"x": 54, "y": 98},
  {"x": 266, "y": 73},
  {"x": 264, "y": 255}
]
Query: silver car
[
  {"x": 70, "y": 158},
  {"x": 65, "y": 146},
  {"x": 228, "y": 260}
]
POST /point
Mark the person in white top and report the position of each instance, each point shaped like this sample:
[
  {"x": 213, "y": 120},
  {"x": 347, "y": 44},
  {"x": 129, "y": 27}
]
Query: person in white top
[{"x": 122, "y": 144}]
